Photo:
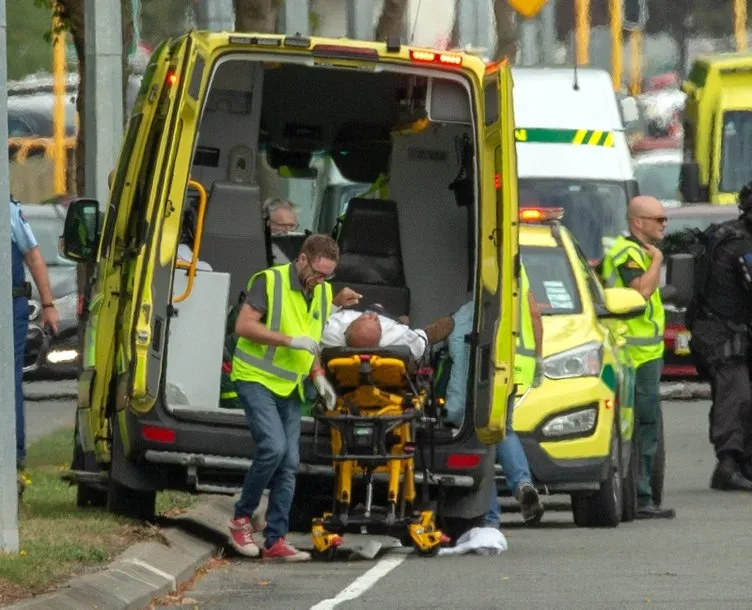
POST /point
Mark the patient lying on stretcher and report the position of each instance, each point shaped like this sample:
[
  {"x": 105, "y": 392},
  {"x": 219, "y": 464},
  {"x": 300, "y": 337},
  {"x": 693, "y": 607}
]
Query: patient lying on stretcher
[{"x": 375, "y": 328}]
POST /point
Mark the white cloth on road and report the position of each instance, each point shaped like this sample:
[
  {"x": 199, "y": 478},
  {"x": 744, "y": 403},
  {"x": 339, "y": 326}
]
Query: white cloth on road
[
  {"x": 479, "y": 540},
  {"x": 392, "y": 332}
]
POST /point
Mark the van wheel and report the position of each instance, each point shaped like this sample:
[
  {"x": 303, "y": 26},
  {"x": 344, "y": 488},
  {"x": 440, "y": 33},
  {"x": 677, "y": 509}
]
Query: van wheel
[
  {"x": 659, "y": 467},
  {"x": 604, "y": 507},
  {"x": 629, "y": 487},
  {"x": 86, "y": 495},
  {"x": 133, "y": 503},
  {"x": 313, "y": 497}
]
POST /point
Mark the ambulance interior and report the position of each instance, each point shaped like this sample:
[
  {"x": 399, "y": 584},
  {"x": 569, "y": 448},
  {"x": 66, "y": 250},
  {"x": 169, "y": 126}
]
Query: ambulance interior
[{"x": 285, "y": 130}]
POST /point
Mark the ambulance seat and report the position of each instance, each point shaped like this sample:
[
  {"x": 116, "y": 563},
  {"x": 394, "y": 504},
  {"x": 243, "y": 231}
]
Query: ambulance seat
[
  {"x": 234, "y": 239},
  {"x": 370, "y": 258}
]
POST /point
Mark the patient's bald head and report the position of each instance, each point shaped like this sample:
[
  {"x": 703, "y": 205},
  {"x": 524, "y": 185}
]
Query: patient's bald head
[{"x": 364, "y": 331}]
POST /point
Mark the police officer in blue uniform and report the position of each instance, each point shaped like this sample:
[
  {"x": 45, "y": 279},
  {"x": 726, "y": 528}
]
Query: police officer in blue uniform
[{"x": 25, "y": 249}]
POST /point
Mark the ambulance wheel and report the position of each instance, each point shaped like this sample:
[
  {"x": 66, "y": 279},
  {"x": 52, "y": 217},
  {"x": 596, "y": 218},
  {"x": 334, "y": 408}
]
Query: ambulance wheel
[{"x": 327, "y": 555}]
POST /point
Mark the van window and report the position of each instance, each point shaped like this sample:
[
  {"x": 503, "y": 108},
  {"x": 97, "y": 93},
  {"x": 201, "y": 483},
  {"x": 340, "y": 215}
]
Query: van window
[
  {"x": 592, "y": 209},
  {"x": 551, "y": 280},
  {"x": 736, "y": 151}
]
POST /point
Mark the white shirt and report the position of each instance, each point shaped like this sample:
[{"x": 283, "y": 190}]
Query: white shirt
[
  {"x": 392, "y": 333},
  {"x": 186, "y": 254}
]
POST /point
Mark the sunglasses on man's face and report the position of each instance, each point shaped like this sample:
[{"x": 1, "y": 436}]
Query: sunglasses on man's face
[{"x": 659, "y": 219}]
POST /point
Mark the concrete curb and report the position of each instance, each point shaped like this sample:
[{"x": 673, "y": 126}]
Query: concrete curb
[
  {"x": 148, "y": 570},
  {"x": 685, "y": 390}
]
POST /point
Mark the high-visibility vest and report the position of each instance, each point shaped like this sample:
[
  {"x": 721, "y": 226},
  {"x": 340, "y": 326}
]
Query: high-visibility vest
[
  {"x": 524, "y": 355},
  {"x": 644, "y": 334},
  {"x": 282, "y": 369}
]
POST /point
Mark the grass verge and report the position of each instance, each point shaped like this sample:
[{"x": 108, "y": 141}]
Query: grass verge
[{"x": 59, "y": 540}]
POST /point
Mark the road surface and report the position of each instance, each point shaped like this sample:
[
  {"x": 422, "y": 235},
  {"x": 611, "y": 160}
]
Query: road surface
[{"x": 699, "y": 560}]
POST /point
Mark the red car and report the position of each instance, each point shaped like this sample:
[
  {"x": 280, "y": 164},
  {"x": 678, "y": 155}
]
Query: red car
[{"x": 677, "y": 361}]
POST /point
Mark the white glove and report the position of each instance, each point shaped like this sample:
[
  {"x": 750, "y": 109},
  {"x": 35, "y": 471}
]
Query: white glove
[
  {"x": 326, "y": 391},
  {"x": 305, "y": 343}
]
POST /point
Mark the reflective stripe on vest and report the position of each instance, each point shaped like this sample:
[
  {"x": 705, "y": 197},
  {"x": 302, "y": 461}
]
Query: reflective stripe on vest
[
  {"x": 524, "y": 360},
  {"x": 644, "y": 337},
  {"x": 261, "y": 363}
]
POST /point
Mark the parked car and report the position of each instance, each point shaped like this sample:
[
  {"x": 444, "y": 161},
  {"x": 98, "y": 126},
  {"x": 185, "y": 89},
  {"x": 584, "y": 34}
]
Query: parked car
[
  {"x": 49, "y": 355},
  {"x": 657, "y": 173},
  {"x": 677, "y": 357}
]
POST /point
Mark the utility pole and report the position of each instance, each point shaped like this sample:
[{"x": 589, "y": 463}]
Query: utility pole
[
  {"x": 547, "y": 21},
  {"x": 294, "y": 17},
  {"x": 582, "y": 31},
  {"x": 215, "y": 15},
  {"x": 617, "y": 43},
  {"x": 360, "y": 24},
  {"x": 740, "y": 24},
  {"x": 8, "y": 480},
  {"x": 104, "y": 94}
]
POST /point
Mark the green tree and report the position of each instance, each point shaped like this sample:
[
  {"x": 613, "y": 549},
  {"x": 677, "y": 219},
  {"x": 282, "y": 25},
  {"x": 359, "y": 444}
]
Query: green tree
[{"x": 28, "y": 51}]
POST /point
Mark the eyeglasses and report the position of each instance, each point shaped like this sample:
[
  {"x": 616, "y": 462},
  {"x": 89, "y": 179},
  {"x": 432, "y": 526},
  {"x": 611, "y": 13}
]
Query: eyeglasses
[
  {"x": 284, "y": 226},
  {"x": 319, "y": 274},
  {"x": 659, "y": 219}
]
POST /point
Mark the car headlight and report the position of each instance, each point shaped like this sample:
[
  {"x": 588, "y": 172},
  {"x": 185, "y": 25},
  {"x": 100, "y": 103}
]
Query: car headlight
[
  {"x": 67, "y": 306},
  {"x": 576, "y": 422},
  {"x": 582, "y": 361}
]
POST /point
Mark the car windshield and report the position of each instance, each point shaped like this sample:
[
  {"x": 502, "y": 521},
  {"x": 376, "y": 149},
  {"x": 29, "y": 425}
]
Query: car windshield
[
  {"x": 736, "y": 157},
  {"x": 47, "y": 232},
  {"x": 551, "y": 280},
  {"x": 592, "y": 210},
  {"x": 659, "y": 180}
]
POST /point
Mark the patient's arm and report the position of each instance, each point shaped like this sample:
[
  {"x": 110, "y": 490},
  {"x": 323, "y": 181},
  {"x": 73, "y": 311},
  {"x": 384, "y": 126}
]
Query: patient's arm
[{"x": 439, "y": 330}]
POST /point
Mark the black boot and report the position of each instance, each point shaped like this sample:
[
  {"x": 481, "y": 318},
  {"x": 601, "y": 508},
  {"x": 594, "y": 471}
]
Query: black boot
[{"x": 727, "y": 476}]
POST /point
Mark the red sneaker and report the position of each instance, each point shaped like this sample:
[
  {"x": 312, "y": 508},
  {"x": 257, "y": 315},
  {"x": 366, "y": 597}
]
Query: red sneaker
[
  {"x": 241, "y": 537},
  {"x": 282, "y": 551}
]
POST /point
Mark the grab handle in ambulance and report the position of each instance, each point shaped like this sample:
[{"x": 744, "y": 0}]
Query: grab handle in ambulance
[{"x": 191, "y": 267}]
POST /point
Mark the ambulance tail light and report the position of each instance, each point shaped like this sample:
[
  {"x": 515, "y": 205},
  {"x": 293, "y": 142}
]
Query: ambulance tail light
[
  {"x": 157, "y": 434},
  {"x": 435, "y": 57},
  {"x": 541, "y": 214}
]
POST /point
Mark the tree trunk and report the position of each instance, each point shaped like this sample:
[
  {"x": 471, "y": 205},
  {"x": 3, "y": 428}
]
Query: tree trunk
[
  {"x": 256, "y": 16},
  {"x": 392, "y": 19},
  {"x": 507, "y": 33}
]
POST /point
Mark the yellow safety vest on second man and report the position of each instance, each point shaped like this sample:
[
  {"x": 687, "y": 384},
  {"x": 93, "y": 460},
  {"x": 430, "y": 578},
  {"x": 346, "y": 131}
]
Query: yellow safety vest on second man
[
  {"x": 524, "y": 355},
  {"x": 282, "y": 369},
  {"x": 644, "y": 335}
]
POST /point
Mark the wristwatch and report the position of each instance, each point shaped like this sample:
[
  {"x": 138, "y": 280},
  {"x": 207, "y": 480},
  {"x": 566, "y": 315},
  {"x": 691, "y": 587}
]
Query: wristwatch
[{"x": 46, "y": 305}]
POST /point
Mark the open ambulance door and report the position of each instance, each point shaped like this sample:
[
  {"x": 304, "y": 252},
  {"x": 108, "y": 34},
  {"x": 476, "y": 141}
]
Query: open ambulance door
[
  {"x": 497, "y": 293},
  {"x": 165, "y": 179},
  {"x": 123, "y": 234}
]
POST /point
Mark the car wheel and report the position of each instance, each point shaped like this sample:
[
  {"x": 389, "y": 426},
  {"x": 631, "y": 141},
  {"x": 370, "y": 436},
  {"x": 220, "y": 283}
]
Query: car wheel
[
  {"x": 659, "y": 467},
  {"x": 602, "y": 508},
  {"x": 629, "y": 486}
]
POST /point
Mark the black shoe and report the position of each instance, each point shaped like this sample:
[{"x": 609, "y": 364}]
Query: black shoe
[
  {"x": 651, "y": 511},
  {"x": 530, "y": 506},
  {"x": 728, "y": 477}
]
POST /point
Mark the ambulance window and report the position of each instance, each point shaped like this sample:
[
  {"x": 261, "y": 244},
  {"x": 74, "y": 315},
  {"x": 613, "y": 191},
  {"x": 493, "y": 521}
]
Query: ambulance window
[
  {"x": 551, "y": 280},
  {"x": 117, "y": 186},
  {"x": 491, "y": 99}
]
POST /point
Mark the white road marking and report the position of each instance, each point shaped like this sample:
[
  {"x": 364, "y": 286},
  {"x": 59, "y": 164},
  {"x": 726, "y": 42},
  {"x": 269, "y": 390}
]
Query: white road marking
[
  {"x": 151, "y": 568},
  {"x": 364, "y": 582}
]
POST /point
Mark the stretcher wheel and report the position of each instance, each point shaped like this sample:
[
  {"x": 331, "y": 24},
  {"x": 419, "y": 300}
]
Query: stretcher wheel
[
  {"x": 432, "y": 552},
  {"x": 327, "y": 555}
]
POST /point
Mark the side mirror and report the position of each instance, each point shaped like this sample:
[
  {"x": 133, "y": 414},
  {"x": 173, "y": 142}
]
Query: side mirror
[
  {"x": 81, "y": 232},
  {"x": 689, "y": 182},
  {"x": 680, "y": 274},
  {"x": 622, "y": 304}
]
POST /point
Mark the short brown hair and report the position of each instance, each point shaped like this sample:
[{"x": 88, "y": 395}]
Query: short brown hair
[{"x": 320, "y": 245}]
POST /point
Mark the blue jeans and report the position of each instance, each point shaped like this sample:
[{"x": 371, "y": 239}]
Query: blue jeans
[
  {"x": 274, "y": 422},
  {"x": 20, "y": 328},
  {"x": 513, "y": 460}
]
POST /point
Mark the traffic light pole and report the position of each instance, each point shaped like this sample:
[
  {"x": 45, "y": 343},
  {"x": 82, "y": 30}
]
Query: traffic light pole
[{"x": 8, "y": 480}]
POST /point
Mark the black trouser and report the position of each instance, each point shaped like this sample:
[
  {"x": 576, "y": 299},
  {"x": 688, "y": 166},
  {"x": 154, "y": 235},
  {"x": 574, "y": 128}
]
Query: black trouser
[{"x": 731, "y": 412}]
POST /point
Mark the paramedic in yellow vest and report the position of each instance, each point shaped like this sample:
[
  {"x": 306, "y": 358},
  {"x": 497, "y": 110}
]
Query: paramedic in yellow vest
[
  {"x": 528, "y": 373},
  {"x": 279, "y": 327},
  {"x": 635, "y": 261}
]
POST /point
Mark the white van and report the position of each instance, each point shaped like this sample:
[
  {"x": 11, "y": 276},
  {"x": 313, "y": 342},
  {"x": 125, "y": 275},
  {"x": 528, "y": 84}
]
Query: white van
[{"x": 572, "y": 151}]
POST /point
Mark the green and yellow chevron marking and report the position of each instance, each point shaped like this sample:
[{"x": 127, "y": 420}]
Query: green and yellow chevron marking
[{"x": 578, "y": 137}]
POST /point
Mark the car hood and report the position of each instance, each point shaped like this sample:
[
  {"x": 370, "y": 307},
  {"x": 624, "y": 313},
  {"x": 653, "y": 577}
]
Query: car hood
[
  {"x": 563, "y": 332},
  {"x": 62, "y": 281}
]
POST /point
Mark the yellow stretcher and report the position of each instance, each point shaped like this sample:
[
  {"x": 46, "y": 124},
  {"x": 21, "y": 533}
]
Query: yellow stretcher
[{"x": 381, "y": 400}]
